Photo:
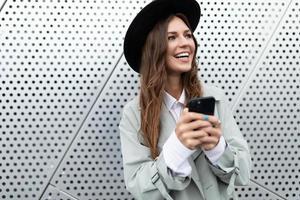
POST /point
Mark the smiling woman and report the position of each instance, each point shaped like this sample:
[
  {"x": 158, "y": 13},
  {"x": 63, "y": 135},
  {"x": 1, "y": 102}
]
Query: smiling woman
[
  {"x": 162, "y": 72},
  {"x": 169, "y": 152}
]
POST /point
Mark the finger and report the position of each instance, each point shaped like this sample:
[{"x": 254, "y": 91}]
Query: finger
[
  {"x": 209, "y": 140},
  {"x": 207, "y": 147},
  {"x": 214, "y": 121},
  {"x": 205, "y": 117},
  {"x": 189, "y": 116},
  {"x": 185, "y": 110},
  {"x": 212, "y": 131},
  {"x": 192, "y": 139},
  {"x": 199, "y": 124},
  {"x": 188, "y": 128},
  {"x": 192, "y": 144},
  {"x": 191, "y": 135},
  {"x": 198, "y": 134}
]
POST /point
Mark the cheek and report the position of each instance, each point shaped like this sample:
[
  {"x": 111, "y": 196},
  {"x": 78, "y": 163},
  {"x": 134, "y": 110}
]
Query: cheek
[
  {"x": 170, "y": 48},
  {"x": 169, "y": 54},
  {"x": 193, "y": 46},
  {"x": 169, "y": 61}
]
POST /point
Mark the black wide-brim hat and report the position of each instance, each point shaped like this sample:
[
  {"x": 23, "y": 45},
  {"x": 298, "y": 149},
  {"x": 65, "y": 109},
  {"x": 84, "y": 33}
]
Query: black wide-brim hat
[{"x": 146, "y": 19}]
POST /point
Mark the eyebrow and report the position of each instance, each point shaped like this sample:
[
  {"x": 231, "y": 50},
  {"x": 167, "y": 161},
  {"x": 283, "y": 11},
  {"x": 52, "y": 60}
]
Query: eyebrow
[{"x": 174, "y": 32}]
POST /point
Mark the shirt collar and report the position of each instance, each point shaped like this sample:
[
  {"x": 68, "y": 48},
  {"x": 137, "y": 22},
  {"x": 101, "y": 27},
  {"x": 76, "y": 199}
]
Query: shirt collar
[{"x": 169, "y": 100}]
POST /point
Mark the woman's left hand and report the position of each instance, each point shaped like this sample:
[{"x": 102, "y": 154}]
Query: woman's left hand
[{"x": 213, "y": 133}]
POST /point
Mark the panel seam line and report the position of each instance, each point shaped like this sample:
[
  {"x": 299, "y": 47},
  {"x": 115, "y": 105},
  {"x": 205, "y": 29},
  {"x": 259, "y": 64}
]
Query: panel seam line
[
  {"x": 3, "y": 5},
  {"x": 268, "y": 190},
  {"x": 250, "y": 77}
]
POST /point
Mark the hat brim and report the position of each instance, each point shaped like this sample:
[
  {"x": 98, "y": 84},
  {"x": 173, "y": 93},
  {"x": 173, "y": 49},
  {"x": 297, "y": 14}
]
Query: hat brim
[{"x": 146, "y": 19}]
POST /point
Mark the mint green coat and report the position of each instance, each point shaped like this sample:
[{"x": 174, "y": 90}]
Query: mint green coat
[{"x": 149, "y": 179}]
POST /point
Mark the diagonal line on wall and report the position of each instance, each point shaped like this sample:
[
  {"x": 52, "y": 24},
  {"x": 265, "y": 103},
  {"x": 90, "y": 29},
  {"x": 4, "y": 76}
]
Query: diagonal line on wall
[
  {"x": 65, "y": 193},
  {"x": 81, "y": 125},
  {"x": 3, "y": 4},
  {"x": 252, "y": 73},
  {"x": 265, "y": 188}
]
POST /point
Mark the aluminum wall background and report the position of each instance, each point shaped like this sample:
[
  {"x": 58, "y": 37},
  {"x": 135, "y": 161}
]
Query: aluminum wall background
[{"x": 64, "y": 82}]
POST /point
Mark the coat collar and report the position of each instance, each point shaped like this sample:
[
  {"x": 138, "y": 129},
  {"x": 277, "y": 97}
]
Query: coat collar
[{"x": 169, "y": 100}]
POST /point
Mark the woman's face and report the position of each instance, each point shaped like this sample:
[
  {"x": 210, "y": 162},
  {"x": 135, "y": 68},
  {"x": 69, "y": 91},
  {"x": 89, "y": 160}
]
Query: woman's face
[{"x": 181, "y": 47}]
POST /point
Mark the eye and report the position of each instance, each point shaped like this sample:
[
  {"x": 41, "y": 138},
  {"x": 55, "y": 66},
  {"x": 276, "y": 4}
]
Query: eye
[
  {"x": 171, "y": 37},
  {"x": 189, "y": 35}
]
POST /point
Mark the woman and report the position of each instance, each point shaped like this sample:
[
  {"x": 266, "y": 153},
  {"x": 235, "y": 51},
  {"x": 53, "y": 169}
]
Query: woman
[{"x": 169, "y": 152}]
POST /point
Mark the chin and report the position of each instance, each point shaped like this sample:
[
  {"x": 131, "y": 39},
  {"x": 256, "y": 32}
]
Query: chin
[
  {"x": 185, "y": 68},
  {"x": 179, "y": 68}
]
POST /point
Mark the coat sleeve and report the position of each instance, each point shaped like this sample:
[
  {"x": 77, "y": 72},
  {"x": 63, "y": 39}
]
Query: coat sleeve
[
  {"x": 234, "y": 165},
  {"x": 141, "y": 172}
]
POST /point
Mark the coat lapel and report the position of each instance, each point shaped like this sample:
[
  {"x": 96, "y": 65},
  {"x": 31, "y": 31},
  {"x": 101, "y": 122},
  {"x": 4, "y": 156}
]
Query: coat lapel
[
  {"x": 195, "y": 175},
  {"x": 168, "y": 125}
]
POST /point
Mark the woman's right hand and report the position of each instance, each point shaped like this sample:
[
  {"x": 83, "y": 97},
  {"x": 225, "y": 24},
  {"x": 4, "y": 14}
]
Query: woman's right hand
[{"x": 189, "y": 129}]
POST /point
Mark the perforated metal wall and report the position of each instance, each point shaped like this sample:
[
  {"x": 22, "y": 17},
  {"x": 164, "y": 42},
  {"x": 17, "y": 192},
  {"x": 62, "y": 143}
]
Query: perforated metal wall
[{"x": 64, "y": 82}]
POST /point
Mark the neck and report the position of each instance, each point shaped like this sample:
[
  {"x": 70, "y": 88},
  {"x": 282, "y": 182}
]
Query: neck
[{"x": 174, "y": 86}]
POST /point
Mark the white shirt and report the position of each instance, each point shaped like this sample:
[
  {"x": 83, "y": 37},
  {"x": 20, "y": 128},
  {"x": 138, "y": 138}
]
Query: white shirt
[{"x": 174, "y": 152}]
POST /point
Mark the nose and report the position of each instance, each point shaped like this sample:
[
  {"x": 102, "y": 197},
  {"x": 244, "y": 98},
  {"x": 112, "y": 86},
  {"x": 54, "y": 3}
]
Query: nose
[{"x": 183, "y": 41}]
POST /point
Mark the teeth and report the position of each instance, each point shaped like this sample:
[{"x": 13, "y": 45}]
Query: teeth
[{"x": 182, "y": 55}]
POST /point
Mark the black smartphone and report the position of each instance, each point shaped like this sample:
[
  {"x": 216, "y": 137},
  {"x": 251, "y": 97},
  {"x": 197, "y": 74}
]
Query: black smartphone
[{"x": 203, "y": 105}]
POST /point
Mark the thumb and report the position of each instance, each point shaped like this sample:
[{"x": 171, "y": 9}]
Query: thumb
[{"x": 185, "y": 110}]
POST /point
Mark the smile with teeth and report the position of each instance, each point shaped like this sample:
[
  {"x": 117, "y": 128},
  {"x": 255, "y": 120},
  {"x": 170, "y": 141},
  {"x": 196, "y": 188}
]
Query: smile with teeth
[{"x": 182, "y": 55}]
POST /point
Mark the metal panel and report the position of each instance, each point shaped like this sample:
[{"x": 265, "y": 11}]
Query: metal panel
[
  {"x": 93, "y": 167},
  {"x": 55, "y": 59},
  {"x": 231, "y": 37},
  {"x": 268, "y": 110}
]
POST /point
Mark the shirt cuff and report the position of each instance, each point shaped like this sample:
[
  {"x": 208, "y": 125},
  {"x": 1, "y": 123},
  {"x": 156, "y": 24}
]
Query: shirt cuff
[
  {"x": 214, "y": 154},
  {"x": 176, "y": 156}
]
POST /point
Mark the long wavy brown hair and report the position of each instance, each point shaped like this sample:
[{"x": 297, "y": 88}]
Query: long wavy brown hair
[{"x": 153, "y": 79}]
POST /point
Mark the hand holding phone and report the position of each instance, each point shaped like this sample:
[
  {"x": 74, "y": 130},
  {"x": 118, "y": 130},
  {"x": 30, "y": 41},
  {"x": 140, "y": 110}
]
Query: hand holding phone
[{"x": 195, "y": 131}]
